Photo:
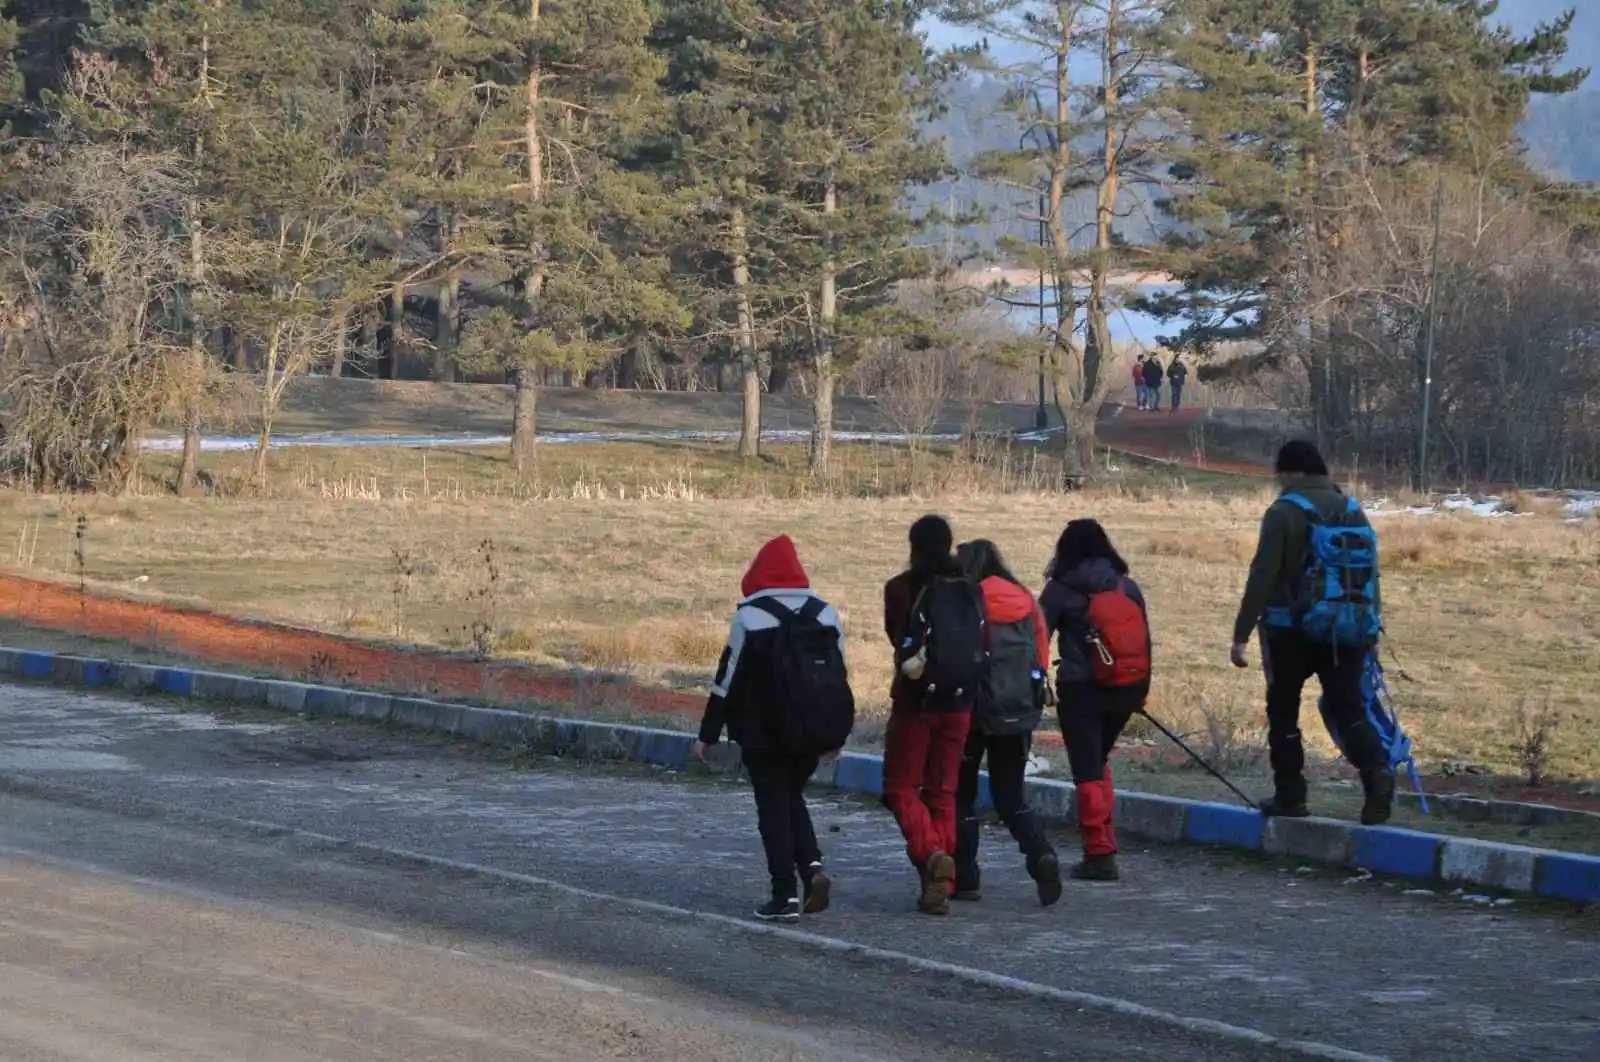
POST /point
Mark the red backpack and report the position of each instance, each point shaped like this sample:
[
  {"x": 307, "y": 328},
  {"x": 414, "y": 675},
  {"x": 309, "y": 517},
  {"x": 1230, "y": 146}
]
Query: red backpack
[{"x": 1119, "y": 638}]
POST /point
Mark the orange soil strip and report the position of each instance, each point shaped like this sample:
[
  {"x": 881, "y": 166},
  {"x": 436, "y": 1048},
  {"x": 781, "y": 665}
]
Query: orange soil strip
[
  {"x": 271, "y": 647},
  {"x": 294, "y": 651}
]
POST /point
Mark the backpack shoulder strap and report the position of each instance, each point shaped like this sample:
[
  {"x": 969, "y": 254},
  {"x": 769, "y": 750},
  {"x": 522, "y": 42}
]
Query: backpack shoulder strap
[
  {"x": 1299, "y": 501},
  {"x": 777, "y": 610},
  {"x": 813, "y": 609}
]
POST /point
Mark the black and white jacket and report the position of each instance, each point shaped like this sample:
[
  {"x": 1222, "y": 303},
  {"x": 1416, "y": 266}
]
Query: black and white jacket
[{"x": 743, "y": 676}]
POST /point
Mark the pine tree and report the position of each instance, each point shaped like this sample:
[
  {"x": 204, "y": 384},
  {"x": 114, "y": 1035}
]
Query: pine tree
[
  {"x": 1277, "y": 95},
  {"x": 712, "y": 155},
  {"x": 850, "y": 86}
]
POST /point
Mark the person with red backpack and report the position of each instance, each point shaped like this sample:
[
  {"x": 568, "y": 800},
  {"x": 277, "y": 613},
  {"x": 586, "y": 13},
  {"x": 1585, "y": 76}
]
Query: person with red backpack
[
  {"x": 1004, "y": 718},
  {"x": 1102, "y": 675},
  {"x": 783, "y": 693},
  {"x": 934, "y": 617}
]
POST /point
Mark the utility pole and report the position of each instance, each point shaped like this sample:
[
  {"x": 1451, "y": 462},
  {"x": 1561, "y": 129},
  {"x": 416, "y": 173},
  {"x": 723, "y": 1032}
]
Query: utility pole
[
  {"x": 1041, "y": 416},
  {"x": 1427, "y": 347}
]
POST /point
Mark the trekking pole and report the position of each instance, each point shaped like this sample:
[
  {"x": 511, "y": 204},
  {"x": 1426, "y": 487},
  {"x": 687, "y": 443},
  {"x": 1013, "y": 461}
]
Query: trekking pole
[{"x": 1176, "y": 740}]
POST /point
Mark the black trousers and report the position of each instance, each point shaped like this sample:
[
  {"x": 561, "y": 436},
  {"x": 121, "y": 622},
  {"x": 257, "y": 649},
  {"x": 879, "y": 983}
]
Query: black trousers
[
  {"x": 1092, "y": 718},
  {"x": 1008, "y": 765},
  {"x": 784, "y": 820},
  {"x": 1290, "y": 661}
]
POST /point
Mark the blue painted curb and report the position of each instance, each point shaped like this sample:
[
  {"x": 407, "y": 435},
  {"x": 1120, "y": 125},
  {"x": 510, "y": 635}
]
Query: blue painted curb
[{"x": 1437, "y": 859}]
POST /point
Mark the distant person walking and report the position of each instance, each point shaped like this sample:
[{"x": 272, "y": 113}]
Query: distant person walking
[
  {"x": 1140, "y": 392},
  {"x": 935, "y": 618},
  {"x": 783, "y": 694},
  {"x": 1152, "y": 383},
  {"x": 1313, "y": 592},
  {"x": 1102, "y": 675},
  {"x": 1004, "y": 718},
  {"x": 1177, "y": 378}
]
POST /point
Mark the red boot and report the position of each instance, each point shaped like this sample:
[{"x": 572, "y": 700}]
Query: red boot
[
  {"x": 1111, "y": 808},
  {"x": 1099, "y": 842}
]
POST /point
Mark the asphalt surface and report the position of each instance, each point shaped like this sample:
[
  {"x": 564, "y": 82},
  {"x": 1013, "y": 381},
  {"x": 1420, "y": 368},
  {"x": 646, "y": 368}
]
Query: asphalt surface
[{"x": 159, "y": 906}]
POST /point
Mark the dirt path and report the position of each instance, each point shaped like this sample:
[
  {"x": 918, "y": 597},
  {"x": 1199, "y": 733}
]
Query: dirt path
[{"x": 1168, "y": 437}]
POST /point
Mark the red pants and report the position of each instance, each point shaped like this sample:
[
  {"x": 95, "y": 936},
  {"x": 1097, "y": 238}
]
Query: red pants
[{"x": 921, "y": 769}]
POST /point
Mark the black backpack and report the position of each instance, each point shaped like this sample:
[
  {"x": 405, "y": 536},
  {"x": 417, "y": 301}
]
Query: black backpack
[
  {"x": 810, "y": 709},
  {"x": 1013, "y": 692},
  {"x": 950, "y": 621}
]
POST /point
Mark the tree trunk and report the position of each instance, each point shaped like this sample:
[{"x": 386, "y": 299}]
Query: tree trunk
[
  {"x": 524, "y": 424},
  {"x": 1100, "y": 344},
  {"x": 524, "y": 416},
  {"x": 822, "y": 404},
  {"x": 391, "y": 333},
  {"x": 778, "y": 379},
  {"x": 749, "y": 362},
  {"x": 447, "y": 328},
  {"x": 258, "y": 469},
  {"x": 341, "y": 342},
  {"x": 189, "y": 466},
  {"x": 1070, "y": 383},
  {"x": 368, "y": 355}
]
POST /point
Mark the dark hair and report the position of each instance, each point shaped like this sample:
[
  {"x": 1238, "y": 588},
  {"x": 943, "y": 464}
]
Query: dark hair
[
  {"x": 1084, "y": 540},
  {"x": 931, "y": 539},
  {"x": 980, "y": 559},
  {"x": 1301, "y": 457}
]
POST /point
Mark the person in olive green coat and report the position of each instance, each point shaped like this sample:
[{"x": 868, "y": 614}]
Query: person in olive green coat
[{"x": 1290, "y": 659}]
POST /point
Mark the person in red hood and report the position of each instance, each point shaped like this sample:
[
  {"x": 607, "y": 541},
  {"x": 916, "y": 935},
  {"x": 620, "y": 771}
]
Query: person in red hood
[
  {"x": 1003, "y": 723},
  {"x": 746, "y": 698}
]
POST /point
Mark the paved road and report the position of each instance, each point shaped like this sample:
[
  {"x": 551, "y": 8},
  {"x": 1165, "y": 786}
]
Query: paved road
[{"x": 238, "y": 942}]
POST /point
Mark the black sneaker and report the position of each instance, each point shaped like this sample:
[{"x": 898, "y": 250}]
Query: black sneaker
[
  {"x": 1279, "y": 808},
  {"x": 969, "y": 885},
  {"x": 819, "y": 891},
  {"x": 779, "y": 910},
  {"x": 1046, "y": 873},
  {"x": 1379, "y": 805}
]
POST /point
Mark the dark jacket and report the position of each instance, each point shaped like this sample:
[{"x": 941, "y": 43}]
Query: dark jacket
[
  {"x": 1152, "y": 373},
  {"x": 899, "y": 598},
  {"x": 1065, "y": 603},
  {"x": 1280, "y": 558},
  {"x": 1178, "y": 374},
  {"x": 744, "y": 675}
]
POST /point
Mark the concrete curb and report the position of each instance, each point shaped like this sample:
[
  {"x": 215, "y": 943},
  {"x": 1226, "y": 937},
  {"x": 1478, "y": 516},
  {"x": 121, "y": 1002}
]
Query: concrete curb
[{"x": 1431, "y": 858}]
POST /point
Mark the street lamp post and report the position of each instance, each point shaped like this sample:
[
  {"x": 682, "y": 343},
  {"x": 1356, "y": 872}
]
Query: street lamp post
[
  {"x": 1041, "y": 415},
  {"x": 1427, "y": 351}
]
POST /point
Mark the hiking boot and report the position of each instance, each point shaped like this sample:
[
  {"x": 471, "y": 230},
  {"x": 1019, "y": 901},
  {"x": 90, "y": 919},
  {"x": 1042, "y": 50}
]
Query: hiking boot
[
  {"x": 1096, "y": 868},
  {"x": 969, "y": 885},
  {"x": 776, "y": 910},
  {"x": 936, "y": 882},
  {"x": 819, "y": 890},
  {"x": 1379, "y": 804},
  {"x": 1046, "y": 873},
  {"x": 1279, "y": 808}
]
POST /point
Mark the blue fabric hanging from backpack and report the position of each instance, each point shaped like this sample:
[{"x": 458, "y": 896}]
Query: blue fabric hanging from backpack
[
  {"x": 1379, "y": 709},
  {"x": 1338, "y": 600}
]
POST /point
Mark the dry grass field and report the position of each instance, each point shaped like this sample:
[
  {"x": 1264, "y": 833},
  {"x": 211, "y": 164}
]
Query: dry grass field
[{"x": 628, "y": 559}]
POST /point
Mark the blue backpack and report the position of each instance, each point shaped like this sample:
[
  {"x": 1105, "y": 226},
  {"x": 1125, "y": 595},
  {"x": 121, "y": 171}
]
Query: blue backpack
[
  {"x": 1337, "y": 600},
  {"x": 1379, "y": 708}
]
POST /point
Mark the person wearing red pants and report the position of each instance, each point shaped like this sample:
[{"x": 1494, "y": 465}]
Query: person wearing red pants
[
  {"x": 934, "y": 617},
  {"x": 1102, "y": 676}
]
